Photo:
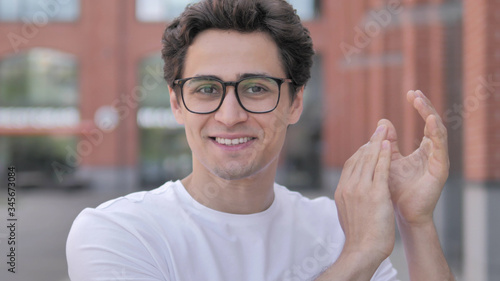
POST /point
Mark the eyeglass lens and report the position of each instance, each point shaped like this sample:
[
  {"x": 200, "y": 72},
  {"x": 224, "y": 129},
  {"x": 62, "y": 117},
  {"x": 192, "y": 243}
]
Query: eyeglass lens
[{"x": 256, "y": 94}]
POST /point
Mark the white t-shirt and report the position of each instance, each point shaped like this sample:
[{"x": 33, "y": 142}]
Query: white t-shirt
[{"x": 165, "y": 234}]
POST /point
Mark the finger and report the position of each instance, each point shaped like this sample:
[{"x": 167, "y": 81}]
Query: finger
[
  {"x": 347, "y": 170},
  {"x": 371, "y": 154},
  {"x": 437, "y": 133},
  {"x": 421, "y": 95},
  {"x": 350, "y": 166},
  {"x": 380, "y": 134},
  {"x": 392, "y": 137},
  {"x": 412, "y": 95},
  {"x": 381, "y": 176},
  {"x": 345, "y": 182},
  {"x": 422, "y": 104}
]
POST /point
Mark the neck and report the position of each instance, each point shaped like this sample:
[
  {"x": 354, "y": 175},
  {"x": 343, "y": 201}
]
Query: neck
[{"x": 249, "y": 195}]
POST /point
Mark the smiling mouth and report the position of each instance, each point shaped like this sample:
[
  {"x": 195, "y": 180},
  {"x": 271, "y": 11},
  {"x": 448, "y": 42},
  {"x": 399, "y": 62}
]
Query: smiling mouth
[{"x": 231, "y": 142}]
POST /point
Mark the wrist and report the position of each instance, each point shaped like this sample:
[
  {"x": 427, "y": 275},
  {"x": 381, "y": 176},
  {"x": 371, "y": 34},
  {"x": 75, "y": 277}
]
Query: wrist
[
  {"x": 403, "y": 217},
  {"x": 422, "y": 223},
  {"x": 366, "y": 255},
  {"x": 423, "y": 251},
  {"x": 353, "y": 265}
]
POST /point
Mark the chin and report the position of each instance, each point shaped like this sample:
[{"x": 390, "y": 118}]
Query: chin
[{"x": 234, "y": 170}]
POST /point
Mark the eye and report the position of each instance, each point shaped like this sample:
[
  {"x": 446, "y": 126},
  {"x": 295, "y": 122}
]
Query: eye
[
  {"x": 257, "y": 86},
  {"x": 255, "y": 89},
  {"x": 207, "y": 89}
]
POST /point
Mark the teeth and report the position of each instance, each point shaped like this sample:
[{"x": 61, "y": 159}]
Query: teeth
[{"x": 232, "y": 141}]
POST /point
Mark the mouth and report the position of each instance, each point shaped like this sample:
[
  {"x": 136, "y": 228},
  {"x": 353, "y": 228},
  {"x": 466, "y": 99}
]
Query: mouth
[{"x": 232, "y": 141}]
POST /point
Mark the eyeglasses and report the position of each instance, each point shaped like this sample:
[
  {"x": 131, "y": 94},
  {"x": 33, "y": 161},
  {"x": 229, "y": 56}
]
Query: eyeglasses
[{"x": 205, "y": 94}]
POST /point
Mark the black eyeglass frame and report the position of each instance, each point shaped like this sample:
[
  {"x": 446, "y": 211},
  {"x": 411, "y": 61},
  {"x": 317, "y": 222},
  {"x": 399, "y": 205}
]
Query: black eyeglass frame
[{"x": 279, "y": 81}]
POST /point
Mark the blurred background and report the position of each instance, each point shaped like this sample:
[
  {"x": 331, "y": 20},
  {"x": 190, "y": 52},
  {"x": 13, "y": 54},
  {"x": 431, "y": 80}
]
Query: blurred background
[{"x": 85, "y": 117}]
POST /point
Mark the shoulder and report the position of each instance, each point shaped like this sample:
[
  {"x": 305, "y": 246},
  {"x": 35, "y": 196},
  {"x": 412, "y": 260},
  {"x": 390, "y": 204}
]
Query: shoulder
[
  {"x": 305, "y": 204},
  {"x": 320, "y": 212},
  {"x": 142, "y": 199},
  {"x": 120, "y": 234},
  {"x": 131, "y": 213}
]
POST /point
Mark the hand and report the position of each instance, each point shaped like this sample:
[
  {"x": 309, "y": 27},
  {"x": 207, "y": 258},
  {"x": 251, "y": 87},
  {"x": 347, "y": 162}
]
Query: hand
[
  {"x": 416, "y": 180},
  {"x": 364, "y": 202}
]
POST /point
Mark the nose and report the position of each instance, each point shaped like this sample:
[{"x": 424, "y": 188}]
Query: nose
[{"x": 230, "y": 112}]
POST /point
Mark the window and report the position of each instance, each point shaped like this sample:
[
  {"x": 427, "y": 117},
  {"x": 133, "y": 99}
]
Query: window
[
  {"x": 39, "y": 77},
  {"x": 160, "y": 10},
  {"x": 302, "y": 168},
  {"x": 39, "y": 11},
  {"x": 306, "y": 9},
  {"x": 165, "y": 10},
  {"x": 38, "y": 90},
  {"x": 164, "y": 152}
]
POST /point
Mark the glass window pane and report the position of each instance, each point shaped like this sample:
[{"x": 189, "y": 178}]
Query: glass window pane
[
  {"x": 39, "y": 11},
  {"x": 165, "y": 155},
  {"x": 305, "y": 8},
  {"x": 150, "y": 78},
  {"x": 40, "y": 77},
  {"x": 164, "y": 152},
  {"x": 28, "y": 10},
  {"x": 175, "y": 7},
  {"x": 38, "y": 90},
  {"x": 301, "y": 168},
  {"x": 9, "y": 10},
  {"x": 160, "y": 10},
  {"x": 34, "y": 156},
  {"x": 150, "y": 10},
  {"x": 164, "y": 10},
  {"x": 69, "y": 11}
]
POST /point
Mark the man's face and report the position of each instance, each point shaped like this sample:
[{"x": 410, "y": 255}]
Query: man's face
[{"x": 256, "y": 139}]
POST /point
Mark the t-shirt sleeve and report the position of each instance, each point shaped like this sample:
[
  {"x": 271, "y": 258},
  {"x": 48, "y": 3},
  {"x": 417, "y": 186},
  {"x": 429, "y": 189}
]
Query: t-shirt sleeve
[
  {"x": 385, "y": 272},
  {"x": 99, "y": 247}
]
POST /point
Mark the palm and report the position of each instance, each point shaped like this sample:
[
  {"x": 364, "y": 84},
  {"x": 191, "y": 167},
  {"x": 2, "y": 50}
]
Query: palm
[{"x": 416, "y": 180}]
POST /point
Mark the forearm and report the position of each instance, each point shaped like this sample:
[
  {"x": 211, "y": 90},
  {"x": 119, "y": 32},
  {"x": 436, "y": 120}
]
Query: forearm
[
  {"x": 352, "y": 267},
  {"x": 424, "y": 255},
  {"x": 365, "y": 212}
]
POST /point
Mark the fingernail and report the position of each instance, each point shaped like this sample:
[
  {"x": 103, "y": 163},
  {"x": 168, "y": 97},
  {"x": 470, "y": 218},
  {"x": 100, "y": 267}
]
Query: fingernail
[{"x": 380, "y": 129}]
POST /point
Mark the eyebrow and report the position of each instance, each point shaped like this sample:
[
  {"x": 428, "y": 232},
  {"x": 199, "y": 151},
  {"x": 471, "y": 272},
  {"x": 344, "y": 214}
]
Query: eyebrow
[
  {"x": 246, "y": 75},
  {"x": 240, "y": 75}
]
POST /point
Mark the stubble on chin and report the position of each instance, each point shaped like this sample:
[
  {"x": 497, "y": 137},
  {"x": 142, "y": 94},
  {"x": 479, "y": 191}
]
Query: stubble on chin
[{"x": 234, "y": 170}]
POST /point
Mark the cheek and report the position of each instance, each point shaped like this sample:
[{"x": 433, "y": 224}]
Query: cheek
[
  {"x": 193, "y": 129},
  {"x": 275, "y": 130}
]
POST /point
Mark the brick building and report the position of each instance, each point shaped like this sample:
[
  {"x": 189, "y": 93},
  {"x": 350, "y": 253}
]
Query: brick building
[{"x": 369, "y": 53}]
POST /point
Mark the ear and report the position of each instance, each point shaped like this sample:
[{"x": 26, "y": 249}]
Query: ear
[
  {"x": 176, "y": 106},
  {"x": 297, "y": 106}
]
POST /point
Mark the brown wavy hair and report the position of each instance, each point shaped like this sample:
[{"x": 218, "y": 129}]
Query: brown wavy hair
[{"x": 275, "y": 17}]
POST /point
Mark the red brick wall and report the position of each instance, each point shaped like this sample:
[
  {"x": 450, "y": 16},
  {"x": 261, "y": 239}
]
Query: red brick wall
[
  {"x": 359, "y": 89},
  {"x": 108, "y": 43},
  {"x": 481, "y": 90},
  {"x": 404, "y": 55}
]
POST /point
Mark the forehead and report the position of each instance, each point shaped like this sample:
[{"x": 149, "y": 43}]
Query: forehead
[{"x": 228, "y": 54}]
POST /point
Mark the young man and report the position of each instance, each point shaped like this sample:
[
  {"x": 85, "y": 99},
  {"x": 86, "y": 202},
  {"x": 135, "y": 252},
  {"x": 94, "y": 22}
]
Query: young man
[{"x": 236, "y": 71}]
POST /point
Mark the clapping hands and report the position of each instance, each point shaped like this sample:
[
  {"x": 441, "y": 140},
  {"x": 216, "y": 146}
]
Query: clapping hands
[{"x": 378, "y": 183}]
